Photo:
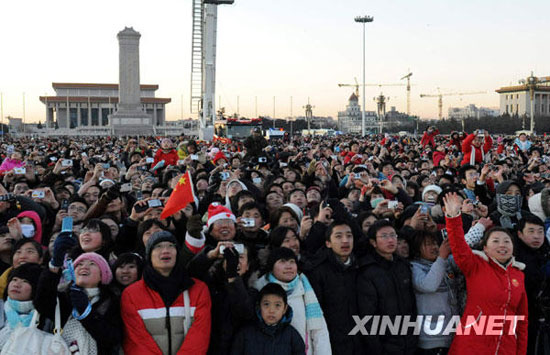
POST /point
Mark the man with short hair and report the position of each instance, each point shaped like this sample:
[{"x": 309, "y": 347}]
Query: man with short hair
[
  {"x": 332, "y": 274},
  {"x": 533, "y": 249},
  {"x": 384, "y": 288}
]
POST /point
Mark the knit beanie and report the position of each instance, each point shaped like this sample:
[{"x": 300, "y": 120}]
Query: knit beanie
[
  {"x": 279, "y": 254},
  {"x": 217, "y": 212},
  {"x": 433, "y": 188},
  {"x": 106, "y": 274},
  {"x": 29, "y": 272},
  {"x": 158, "y": 237}
]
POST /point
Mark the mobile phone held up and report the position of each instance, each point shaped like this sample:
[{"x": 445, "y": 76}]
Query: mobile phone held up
[{"x": 67, "y": 225}]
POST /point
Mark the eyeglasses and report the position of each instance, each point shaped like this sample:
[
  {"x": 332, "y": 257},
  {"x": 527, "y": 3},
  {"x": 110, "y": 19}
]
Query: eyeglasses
[
  {"x": 88, "y": 231},
  {"x": 387, "y": 236}
]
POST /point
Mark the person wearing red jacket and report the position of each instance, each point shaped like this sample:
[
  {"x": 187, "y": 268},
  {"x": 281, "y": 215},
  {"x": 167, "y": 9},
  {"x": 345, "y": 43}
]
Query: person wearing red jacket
[
  {"x": 475, "y": 146},
  {"x": 456, "y": 142},
  {"x": 495, "y": 290},
  {"x": 166, "y": 312},
  {"x": 428, "y": 137},
  {"x": 166, "y": 153}
]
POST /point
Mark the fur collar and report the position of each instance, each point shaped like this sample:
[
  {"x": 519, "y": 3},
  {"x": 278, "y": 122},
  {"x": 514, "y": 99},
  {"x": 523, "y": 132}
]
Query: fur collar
[{"x": 513, "y": 262}]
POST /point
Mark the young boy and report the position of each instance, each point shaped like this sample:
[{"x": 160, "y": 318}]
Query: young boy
[{"x": 272, "y": 333}]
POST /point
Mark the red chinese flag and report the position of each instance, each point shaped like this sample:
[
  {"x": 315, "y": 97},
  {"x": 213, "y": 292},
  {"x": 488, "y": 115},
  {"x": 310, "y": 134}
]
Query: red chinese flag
[{"x": 180, "y": 197}]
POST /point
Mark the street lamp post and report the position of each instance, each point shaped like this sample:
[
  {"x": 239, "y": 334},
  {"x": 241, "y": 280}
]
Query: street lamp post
[{"x": 363, "y": 20}]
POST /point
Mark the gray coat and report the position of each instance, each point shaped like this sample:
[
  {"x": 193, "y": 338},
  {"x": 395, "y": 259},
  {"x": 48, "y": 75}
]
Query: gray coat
[{"x": 434, "y": 288}]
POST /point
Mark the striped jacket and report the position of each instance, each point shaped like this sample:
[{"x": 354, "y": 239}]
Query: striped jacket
[{"x": 146, "y": 322}]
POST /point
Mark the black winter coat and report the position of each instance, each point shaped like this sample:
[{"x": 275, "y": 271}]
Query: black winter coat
[
  {"x": 385, "y": 288},
  {"x": 261, "y": 339},
  {"x": 335, "y": 287},
  {"x": 536, "y": 281}
]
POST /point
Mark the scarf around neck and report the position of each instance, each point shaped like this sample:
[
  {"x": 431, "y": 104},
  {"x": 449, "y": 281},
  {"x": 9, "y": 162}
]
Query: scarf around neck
[
  {"x": 18, "y": 312},
  {"x": 300, "y": 286},
  {"x": 508, "y": 206}
]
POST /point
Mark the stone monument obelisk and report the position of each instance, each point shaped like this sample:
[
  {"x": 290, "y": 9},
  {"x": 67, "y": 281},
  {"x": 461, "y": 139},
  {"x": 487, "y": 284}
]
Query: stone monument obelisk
[{"x": 129, "y": 119}]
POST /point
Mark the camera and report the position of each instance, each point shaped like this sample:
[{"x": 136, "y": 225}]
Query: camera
[
  {"x": 392, "y": 204},
  {"x": 19, "y": 171},
  {"x": 238, "y": 247},
  {"x": 154, "y": 203},
  {"x": 262, "y": 160},
  {"x": 149, "y": 160},
  {"x": 67, "y": 162},
  {"x": 248, "y": 222},
  {"x": 225, "y": 175},
  {"x": 38, "y": 194},
  {"x": 126, "y": 187},
  {"x": 194, "y": 157}
]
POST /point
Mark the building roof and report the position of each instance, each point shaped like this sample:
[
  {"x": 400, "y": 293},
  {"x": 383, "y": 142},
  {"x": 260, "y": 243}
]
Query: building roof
[
  {"x": 353, "y": 97},
  {"x": 521, "y": 88},
  {"x": 98, "y": 86},
  {"x": 95, "y": 99}
]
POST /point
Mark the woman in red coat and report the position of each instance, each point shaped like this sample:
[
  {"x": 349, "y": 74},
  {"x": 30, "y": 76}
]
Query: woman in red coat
[
  {"x": 495, "y": 290},
  {"x": 475, "y": 146}
]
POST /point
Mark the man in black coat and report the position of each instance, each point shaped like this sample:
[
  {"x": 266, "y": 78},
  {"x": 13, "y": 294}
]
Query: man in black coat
[
  {"x": 332, "y": 274},
  {"x": 254, "y": 144},
  {"x": 384, "y": 288},
  {"x": 533, "y": 249}
]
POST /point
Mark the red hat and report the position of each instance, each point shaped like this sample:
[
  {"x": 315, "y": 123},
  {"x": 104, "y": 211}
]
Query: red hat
[
  {"x": 219, "y": 156},
  {"x": 217, "y": 212}
]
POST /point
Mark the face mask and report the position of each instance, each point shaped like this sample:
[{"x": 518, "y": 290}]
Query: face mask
[
  {"x": 376, "y": 201},
  {"x": 508, "y": 205},
  {"x": 27, "y": 230}
]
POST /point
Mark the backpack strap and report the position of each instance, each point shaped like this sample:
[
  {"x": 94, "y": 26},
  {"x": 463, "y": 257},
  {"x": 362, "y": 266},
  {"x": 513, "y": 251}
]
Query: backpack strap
[{"x": 187, "y": 311}]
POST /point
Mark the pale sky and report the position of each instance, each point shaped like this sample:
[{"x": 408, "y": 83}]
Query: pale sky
[{"x": 281, "y": 48}]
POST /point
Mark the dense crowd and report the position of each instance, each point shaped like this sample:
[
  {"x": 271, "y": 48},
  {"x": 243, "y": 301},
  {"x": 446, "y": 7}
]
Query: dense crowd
[{"x": 289, "y": 247}]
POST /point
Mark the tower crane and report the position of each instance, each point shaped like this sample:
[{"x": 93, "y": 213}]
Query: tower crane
[
  {"x": 531, "y": 84},
  {"x": 408, "y": 77},
  {"x": 440, "y": 96},
  {"x": 203, "y": 60}
]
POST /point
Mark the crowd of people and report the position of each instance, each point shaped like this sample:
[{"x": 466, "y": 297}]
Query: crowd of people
[{"x": 289, "y": 246}]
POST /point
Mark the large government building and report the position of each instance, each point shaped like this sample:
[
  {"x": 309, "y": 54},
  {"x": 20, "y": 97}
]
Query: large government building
[
  {"x": 91, "y": 104},
  {"x": 516, "y": 100}
]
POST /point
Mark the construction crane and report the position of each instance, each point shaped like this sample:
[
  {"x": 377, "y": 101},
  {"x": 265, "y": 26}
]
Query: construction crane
[
  {"x": 203, "y": 61},
  {"x": 531, "y": 83},
  {"x": 408, "y": 77},
  {"x": 440, "y": 96}
]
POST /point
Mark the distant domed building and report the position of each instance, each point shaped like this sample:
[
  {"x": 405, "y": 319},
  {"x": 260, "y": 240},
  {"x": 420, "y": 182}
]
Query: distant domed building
[{"x": 349, "y": 121}]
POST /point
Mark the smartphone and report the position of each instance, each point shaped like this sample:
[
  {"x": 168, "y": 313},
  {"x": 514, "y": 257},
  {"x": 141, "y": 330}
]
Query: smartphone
[
  {"x": 64, "y": 204},
  {"x": 142, "y": 168},
  {"x": 126, "y": 187},
  {"x": 67, "y": 162},
  {"x": 392, "y": 204},
  {"x": 248, "y": 222},
  {"x": 38, "y": 194},
  {"x": 19, "y": 171},
  {"x": 139, "y": 195},
  {"x": 154, "y": 203},
  {"x": 149, "y": 160},
  {"x": 67, "y": 224}
]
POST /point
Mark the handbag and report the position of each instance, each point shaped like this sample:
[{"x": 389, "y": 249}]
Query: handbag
[{"x": 33, "y": 341}]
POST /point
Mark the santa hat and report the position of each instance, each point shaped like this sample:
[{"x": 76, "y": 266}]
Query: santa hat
[{"x": 217, "y": 212}]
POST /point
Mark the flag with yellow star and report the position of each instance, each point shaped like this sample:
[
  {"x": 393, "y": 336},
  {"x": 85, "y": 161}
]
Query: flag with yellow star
[{"x": 180, "y": 197}]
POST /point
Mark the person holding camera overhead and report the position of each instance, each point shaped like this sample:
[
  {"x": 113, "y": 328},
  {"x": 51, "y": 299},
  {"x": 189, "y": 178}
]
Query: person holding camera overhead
[{"x": 475, "y": 146}]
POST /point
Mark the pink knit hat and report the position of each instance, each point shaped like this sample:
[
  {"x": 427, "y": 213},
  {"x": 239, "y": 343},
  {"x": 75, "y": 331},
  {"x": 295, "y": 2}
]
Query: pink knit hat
[{"x": 106, "y": 274}]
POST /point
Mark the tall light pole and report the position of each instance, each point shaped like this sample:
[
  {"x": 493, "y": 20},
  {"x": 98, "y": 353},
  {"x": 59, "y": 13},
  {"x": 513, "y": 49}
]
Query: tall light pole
[{"x": 363, "y": 20}]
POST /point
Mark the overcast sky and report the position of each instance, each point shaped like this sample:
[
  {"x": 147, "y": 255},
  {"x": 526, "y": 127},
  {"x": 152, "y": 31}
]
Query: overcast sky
[{"x": 281, "y": 48}]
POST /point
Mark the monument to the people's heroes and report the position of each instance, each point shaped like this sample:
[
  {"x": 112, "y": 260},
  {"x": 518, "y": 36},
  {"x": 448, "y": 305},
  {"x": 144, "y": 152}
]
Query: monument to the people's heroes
[{"x": 130, "y": 119}]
